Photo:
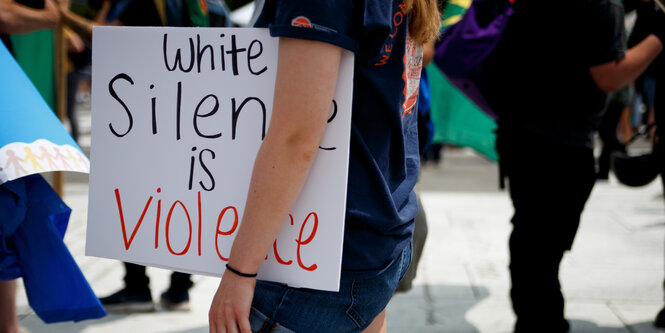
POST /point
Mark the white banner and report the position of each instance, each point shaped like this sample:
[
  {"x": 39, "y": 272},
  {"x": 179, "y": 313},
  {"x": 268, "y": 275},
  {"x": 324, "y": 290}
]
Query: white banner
[{"x": 178, "y": 115}]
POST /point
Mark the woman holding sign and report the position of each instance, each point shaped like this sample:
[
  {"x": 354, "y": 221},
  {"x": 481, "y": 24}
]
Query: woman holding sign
[{"x": 386, "y": 37}]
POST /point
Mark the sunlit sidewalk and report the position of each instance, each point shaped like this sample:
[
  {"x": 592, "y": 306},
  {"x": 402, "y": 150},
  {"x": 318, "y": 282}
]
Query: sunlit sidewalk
[{"x": 612, "y": 280}]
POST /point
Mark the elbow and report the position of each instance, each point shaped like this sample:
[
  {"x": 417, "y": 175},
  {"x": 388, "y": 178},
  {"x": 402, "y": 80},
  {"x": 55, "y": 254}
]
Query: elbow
[
  {"x": 303, "y": 148},
  {"x": 607, "y": 83},
  {"x": 608, "y": 77},
  {"x": 301, "y": 145},
  {"x": 607, "y": 86}
]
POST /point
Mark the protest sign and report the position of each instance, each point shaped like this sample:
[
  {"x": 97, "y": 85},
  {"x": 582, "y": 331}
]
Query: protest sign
[
  {"x": 178, "y": 115},
  {"x": 32, "y": 139}
]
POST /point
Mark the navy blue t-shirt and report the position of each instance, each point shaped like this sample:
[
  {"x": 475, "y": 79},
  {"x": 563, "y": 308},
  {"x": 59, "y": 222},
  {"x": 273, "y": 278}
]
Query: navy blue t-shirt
[{"x": 384, "y": 159}]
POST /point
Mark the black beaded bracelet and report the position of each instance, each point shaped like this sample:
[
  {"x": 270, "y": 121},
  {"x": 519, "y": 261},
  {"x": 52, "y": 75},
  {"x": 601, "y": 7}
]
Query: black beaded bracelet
[{"x": 237, "y": 272}]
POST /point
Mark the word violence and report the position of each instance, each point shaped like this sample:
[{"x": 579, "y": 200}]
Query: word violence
[{"x": 221, "y": 234}]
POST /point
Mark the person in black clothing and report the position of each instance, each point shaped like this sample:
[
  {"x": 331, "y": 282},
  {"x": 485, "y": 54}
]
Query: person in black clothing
[{"x": 548, "y": 81}]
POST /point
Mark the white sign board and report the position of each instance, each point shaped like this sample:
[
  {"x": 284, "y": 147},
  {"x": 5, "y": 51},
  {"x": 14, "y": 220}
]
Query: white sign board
[{"x": 178, "y": 115}]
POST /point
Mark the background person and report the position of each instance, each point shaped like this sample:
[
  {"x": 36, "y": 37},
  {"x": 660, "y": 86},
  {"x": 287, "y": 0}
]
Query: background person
[{"x": 549, "y": 83}]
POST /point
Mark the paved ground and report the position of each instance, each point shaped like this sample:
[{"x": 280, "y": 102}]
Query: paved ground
[{"x": 612, "y": 279}]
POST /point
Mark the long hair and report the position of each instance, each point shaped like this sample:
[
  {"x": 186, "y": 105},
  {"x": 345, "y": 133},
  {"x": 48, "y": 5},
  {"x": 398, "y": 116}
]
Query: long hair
[{"x": 424, "y": 20}]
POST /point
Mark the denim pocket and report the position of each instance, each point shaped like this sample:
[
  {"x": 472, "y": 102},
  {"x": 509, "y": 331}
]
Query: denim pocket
[
  {"x": 353, "y": 310},
  {"x": 407, "y": 256},
  {"x": 260, "y": 323},
  {"x": 370, "y": 296}
]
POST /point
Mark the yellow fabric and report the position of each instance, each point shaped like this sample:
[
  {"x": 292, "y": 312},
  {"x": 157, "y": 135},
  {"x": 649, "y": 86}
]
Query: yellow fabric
[{"x": 161, "y": 10}]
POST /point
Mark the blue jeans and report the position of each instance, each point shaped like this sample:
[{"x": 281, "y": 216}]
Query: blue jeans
[{"x": 279, "y": 309}]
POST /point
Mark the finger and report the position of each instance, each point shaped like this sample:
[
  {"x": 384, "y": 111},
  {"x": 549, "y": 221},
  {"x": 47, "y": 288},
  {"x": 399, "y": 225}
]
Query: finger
[
  {"x": 216, "y": 322},
  {"x": 212, "y": 326},
  {"x": 231, "y": 327},
  {"x": 244, "y": 325},
  {"x": 230, "y": 322}
]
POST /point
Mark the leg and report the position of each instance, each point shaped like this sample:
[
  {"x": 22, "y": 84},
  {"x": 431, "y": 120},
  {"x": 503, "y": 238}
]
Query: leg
[
  {"x": 536, "y": 292},
  {"x": 625, "y": 125},
  {"x": 176, "y": 298},
  {"x": 72, "y": 86},
  {"x": 550, "y": 206},
  {"x": 135, "y": 278},
  {"x": 419, "y": 237},
  {"x": 378, "y": 325},
  {"x": 135, "y": 297},
  {"x": 8, "y": 318},
  {"x": 181, "y": 281},
  {"x": 608, "y": 135}
]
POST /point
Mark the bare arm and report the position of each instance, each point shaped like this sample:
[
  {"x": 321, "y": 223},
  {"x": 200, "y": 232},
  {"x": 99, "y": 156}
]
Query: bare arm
[
  {"x": 19, "y": 19},
  {"x": 306, "y": 79},
  {"x": 615, "y": 75},
  {"x": 103, "y": 11},
  {"x": 78, "y": 24}
]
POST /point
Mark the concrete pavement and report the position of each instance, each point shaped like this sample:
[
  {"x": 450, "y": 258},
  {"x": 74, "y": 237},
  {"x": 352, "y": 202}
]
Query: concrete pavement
[{"x": 612, "y": 280}]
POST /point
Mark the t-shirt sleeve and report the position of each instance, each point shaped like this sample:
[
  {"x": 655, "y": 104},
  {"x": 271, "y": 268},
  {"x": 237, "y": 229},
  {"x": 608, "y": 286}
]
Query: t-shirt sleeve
[
  {"x": 608, "y": 37},
  {"x": 329, "y": 21}
]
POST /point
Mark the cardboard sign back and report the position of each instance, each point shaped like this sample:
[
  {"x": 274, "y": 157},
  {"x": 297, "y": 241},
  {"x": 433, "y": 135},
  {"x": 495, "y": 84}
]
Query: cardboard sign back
[{"x": 178, "y": 115}]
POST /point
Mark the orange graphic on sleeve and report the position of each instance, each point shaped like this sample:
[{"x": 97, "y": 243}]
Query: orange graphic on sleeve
[
  {"x": 413, "y": 64},
  {"x": 302, "y": 22}
]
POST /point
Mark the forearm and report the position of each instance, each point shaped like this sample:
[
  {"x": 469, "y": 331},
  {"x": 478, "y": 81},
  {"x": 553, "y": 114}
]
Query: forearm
[
  {"x": 306, "y": 79},
  {"x": 103, "y": 12},
  {"x": 617, "y": 74},
  {"x": 18, "y": 19},
  {"x": 278, "y": 176}
]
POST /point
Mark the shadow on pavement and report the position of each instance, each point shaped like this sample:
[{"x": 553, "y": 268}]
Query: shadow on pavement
[
  {"x": 582, "y": 326},
  {"x": 644, "y": 327},
  {"x": 36, "y": 325},
  {"x": 435, "y": 308}
]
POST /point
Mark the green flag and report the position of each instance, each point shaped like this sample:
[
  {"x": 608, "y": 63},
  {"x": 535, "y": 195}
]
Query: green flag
[
  {"x": 34, "y": 52},
  {"x": 456, "y": 119}
]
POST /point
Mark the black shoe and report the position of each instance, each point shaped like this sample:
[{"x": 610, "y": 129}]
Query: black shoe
[
  {"x": 659, "y": 322},
  {"x": 562, "y": 327},
  {"x": 125, "y": 300},
  {"x": 175, "y": 300}
]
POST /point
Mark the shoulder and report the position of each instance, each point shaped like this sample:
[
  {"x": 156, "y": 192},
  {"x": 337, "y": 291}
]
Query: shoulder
[{"x": 345, "y": 23}]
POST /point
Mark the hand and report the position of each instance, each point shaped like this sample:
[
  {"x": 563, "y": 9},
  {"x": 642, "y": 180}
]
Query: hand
[
  {"x": 74, "y": 42},
  {"x": 51, "y": 13},
  {"x": 229, "y": 311},
  {"x": 63, "y": 4}
]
